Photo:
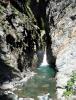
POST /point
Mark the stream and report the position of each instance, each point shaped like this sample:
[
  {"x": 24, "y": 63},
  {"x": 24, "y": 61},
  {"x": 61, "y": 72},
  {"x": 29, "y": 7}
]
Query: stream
[{"x": 42, "y": 86}]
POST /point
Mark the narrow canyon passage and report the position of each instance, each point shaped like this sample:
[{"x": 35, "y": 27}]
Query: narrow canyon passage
[
  {"x": 24, "y": 37},
  {"x": 37, "y": 49}
]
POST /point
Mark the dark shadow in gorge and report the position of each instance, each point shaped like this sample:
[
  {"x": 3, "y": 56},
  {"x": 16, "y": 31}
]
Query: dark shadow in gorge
[
  {"x": 6, "y": 72},
  {"x": 39, "y": 11},
  {"x": 50, "y": 57},
  {"x": 18, "y": 4}
]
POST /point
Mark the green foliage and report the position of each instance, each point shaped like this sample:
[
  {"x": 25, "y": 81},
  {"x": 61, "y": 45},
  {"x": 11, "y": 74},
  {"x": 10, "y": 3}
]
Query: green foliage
[
  {"x": 69, "y": 88},
  {"x": 70, "y": 83},
  {"x": 68, "y": 93}
]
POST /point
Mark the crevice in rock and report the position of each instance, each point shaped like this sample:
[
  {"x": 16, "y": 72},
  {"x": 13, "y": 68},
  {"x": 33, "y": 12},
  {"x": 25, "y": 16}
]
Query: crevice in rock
[
  {"x": 34, "y": 34},
  {"x": 50, "y": 56},
  {"x": 4, "y": 3},
  {"x": 39, "y": 11},
  {"x": 9, "y": 19},
  {"x": 18, "y": 4},
  {"x": 10, "y": 40},
  {"x": 73, "y": 17}
]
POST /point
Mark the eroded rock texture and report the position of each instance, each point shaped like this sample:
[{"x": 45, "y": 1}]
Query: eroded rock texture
[
  {"x": 19, "y": 38},
  {"x": 22, "y": 36},
  {"x": 62, "y": 24}
]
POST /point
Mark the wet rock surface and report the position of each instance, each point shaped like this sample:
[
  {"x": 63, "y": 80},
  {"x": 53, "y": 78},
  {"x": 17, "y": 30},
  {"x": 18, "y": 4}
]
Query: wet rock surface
[{"x": 63, "y": 36}]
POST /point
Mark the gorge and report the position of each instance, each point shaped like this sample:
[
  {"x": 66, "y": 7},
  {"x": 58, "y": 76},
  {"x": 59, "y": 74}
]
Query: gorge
[{"x": 26, "y": 27}]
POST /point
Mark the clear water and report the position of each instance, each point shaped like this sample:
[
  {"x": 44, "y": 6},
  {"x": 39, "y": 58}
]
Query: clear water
[{"x": 42, "y": 83}]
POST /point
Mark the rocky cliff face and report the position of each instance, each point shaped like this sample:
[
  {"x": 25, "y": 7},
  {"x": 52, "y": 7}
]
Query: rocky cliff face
[
  {"x": 18, "y": 39},
  {"x": 22, "y": 36},
  {"x": 62, "y": 24}
]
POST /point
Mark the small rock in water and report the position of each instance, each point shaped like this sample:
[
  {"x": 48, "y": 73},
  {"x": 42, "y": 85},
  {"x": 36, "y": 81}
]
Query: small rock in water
[
  {"x": 6, "y": 86},
  {"x": 25, "y": 99},
  {"x": 12, "y": 97},
  {"x": 44, "y": 97},
  {"x": 9, "y": 96},
  {"x": 20, "y": 99}
]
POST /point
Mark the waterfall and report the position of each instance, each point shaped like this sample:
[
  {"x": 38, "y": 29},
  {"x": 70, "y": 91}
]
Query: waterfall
[{"x": 44, "y": 62}]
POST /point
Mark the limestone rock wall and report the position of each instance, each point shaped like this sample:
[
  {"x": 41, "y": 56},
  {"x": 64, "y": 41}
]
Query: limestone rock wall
[{"x": 62, "y": 24}]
